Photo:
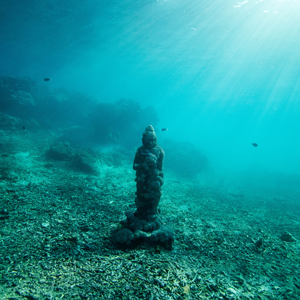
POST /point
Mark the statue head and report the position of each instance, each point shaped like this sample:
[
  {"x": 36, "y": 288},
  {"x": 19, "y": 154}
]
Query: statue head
[{"x": 149, "y": 137}]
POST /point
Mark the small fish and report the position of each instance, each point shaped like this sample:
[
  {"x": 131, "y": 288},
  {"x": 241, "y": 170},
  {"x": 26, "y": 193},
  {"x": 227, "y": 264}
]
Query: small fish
[
  {"x": 254, "y": 144},
  {"x": 24, "y": 128},
  {"x": 164, "y": 129},
  {"x": 47, "y": 79}
]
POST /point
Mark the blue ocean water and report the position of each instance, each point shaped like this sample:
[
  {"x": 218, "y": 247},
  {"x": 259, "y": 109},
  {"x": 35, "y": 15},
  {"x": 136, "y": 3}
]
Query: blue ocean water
[
  {"x": 221, "y": 74},
  {"x": 220, "y": 83}
]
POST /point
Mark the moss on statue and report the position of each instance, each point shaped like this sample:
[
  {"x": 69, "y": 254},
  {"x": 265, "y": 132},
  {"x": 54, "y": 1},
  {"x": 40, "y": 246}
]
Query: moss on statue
[{"x": 145, "y": 222}]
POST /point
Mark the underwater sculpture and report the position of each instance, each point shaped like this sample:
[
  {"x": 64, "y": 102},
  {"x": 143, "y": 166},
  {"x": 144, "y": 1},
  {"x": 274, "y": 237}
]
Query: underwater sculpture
[{"x": 145, "y": 222}]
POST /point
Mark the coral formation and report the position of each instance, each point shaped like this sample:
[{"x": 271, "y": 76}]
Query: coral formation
[
  {"x": 145, "y": 222},
  {"x": 287, "y": 237},
  {"x": 22, "y": 97},
  {"x": 84, "y": 161},
  {"x": 80, "y": 118},
  {"x": 60, "y": 151},
  {"x": 81, "y": 160}
]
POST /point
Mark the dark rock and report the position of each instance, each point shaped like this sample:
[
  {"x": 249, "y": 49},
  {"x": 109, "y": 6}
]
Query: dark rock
[
  {"x": 84, "y": 162},
  {"x": 61, "y": 151},
  {"x": 287, "y": 237}
]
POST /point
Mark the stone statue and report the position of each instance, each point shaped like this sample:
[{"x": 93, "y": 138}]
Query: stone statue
[
  {"x": 145, "y": 222},
  {"x": 148, "y": 163}
]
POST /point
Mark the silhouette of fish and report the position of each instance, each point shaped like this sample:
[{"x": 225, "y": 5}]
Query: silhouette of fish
[
  {"x": 254, "y": 144},
  {"x": 24, "y": 128},
  {"x": 47, "y": 79},
  {"x": 164, "y": 129}
]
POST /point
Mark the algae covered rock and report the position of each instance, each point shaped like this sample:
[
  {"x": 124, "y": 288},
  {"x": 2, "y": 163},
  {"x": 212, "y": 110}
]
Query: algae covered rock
[
  {"x": 23, "y": 97},
  {"x": 124, "y": 236},
  {"x": 84, "y": 161},
  {"x": 61, "y": 151},
  {"x": 287, "y": 237}
]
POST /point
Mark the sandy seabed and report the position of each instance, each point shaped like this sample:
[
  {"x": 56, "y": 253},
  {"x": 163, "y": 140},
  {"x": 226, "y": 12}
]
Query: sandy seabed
[{"x": 56, "y": 228}]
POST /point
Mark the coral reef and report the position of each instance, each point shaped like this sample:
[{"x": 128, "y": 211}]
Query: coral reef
[
  {"x": 81, "y": 160},
  {"x": 287, "y": 237},
  {"x": 80, "y": 118},
  {"x": 60, "y": 151},
  {"x": 53, "y": 221},
  {"x": 24, "y": 98},
  {"x": 118, "y": 123},
  {"x": 84, "y": 161},
  {"x": 145, "y": 222}
]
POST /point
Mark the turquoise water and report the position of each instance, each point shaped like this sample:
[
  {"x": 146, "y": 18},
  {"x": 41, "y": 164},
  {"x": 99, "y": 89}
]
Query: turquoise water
[{"x": 221, "y": 74}]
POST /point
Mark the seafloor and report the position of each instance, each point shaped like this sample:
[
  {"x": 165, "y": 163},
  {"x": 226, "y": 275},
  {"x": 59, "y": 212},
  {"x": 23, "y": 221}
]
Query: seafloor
[{"x": 56, "y": 225}]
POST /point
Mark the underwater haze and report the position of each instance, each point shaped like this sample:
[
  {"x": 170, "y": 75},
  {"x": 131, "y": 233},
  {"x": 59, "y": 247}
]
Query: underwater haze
[
  {"x": 150, "y": 149},
  {"x": 221, "y": 74}
]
